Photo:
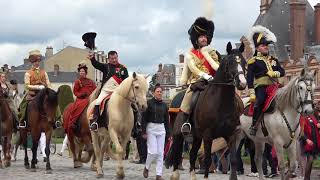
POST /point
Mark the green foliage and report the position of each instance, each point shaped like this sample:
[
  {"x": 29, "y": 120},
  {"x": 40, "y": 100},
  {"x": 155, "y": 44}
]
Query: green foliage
[
  {"x": 152, "y": 83},
  {"x": 65, "y": 97}
]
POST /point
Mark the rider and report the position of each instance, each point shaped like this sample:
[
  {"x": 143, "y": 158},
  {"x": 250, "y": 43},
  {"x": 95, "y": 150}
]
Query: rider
[
  {"x": 201, "y": 61},
  {"x": 113, "y": 74},
  {"x": 7, "y": 90},
  {"x": 263, "y": 70},
  {"x": 35, "y": 80},
  {"x": 82, "y": 89}
]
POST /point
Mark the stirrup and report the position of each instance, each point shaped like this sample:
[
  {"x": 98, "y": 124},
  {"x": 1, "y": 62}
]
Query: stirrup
[
  {"x": 91, "y": 126},
  {"x": 183, "y": 125},
  {"x": 24, "y": 124},
  {"x": 58, "y": 124}
]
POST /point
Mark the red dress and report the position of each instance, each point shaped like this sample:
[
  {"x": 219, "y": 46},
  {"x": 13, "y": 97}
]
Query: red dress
[
  {"x": 82, "y": 89},
  {"x": 310, "y": 131}
]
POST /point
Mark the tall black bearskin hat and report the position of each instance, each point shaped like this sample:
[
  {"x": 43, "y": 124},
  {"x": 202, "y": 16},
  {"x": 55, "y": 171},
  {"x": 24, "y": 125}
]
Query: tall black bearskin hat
[
  {"x": 201, "y": 26},
  {"x": 83, "y": 66},
  {"x": 260, "y": 35}
]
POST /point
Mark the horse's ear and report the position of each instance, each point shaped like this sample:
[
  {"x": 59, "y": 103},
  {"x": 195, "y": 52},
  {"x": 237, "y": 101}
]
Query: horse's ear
[
  {"x": 229, "y": 47},
  {"x": 303, "y": 72},
  {"x": 241, "y": 48},
  {"x": 134, "y": 75}
]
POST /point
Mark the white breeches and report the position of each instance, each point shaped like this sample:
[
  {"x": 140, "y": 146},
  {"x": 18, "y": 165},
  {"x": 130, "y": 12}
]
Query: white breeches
[{"x": 156, "y": 135}]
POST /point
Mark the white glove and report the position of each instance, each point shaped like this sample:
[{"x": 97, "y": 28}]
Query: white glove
[
  {"x": 205, "y": 76},
  {"x": 41, "y": 87}
]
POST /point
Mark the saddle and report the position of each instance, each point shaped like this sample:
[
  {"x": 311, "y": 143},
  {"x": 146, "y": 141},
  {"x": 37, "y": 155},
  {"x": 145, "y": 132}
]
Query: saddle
[{"x": 269, "y": 104}]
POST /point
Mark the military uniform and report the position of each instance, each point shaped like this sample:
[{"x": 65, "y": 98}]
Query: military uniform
[
  {"x": 113, "y": 75},
  {"x": 35, "y": 80},
  {"x": 263, "y": 70},
  {"x": 200, "y": 62}
]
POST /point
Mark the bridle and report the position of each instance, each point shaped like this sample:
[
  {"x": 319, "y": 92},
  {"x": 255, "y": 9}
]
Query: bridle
[{"x": 305, "y": 101}]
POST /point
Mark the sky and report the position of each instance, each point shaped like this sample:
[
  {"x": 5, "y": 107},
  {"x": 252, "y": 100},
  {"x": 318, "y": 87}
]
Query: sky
[{"x": 144, "y": 32}]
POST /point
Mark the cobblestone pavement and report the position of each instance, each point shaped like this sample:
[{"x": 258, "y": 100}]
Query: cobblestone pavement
[{"x": 63, "y": 169}]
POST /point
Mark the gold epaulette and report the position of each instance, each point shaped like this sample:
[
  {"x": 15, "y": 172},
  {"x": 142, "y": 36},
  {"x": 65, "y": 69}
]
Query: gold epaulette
[{"x": 252, "y": 60}]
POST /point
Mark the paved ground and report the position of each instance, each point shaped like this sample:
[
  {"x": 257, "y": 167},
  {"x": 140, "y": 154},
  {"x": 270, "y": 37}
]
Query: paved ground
[{"x": 63, "y": 169}]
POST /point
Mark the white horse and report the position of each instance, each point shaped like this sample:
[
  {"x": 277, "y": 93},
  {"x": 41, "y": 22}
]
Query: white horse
[
  {"x": 132, "y": 90},
  {"x": 283, "y": 125}
]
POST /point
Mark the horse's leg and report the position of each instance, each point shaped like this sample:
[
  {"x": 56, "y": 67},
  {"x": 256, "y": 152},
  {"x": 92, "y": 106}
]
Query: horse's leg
[
  {"x": 9, "y": 150},
  {"x": 281, "y": 160},
  {"x": 88, "y": 143},
  {"x": 97, "y": 150},
  {"x": 5, "y": 151},
  {"x": 207, "y": 156},
  {"x": 176, "y": 156},
  {"x": 35, "y": 142},
  {"x": 119, "y": 149},
  {"x": 293, "y": 158},
  {"x": 16, "y": 146},
  {"x": 308, "y": 167},
  {"x": 23, "y": 135},
  {"x": 73, "y": 149},
  {"x": 0, "y": 158},
  {"x": 193, "y": 156},
  {"x": 47, "y": 150},
  {"x": 259, "y": 148},
  {"x": 120, "y": 170},
  {"x": 233, "y": 159}
]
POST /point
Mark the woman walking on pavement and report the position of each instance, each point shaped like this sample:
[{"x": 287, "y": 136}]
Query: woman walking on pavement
[{"x": 155, "y": 126}]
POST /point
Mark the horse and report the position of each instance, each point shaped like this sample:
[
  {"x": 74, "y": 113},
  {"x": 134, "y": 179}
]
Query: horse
[
  {"x": 79, "y": 138},
  {"x": 119, "y": 110},
  {"x": 214, "y": 115},
  {"x": 40, "y": 117},
  {"x": 6, "y": 130},
  {"x": 283, "y": 124}
]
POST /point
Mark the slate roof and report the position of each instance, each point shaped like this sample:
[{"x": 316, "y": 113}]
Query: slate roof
[{"x": 277, "y": 19}]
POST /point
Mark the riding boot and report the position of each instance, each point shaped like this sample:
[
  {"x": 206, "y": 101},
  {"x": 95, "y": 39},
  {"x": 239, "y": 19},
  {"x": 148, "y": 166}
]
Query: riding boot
[
  {"x": 93, "y": 121},
  {"x": 15, "y": 122},
  {"x": 256, "y": 114}
]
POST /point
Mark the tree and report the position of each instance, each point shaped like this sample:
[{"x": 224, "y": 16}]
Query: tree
[{"x": 152, "y": 84}]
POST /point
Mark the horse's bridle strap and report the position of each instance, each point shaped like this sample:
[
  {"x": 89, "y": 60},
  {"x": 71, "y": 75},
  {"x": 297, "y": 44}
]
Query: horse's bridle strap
[{"x": 292, "y": 132}]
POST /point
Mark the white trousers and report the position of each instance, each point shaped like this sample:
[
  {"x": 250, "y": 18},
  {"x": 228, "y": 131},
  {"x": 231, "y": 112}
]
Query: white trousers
[
  {"x": 156, "y": 135},
  {"x": 64, "y": 144},
  {"x": 107, "y": 88},
  {"x": 101, "y": 96},
  {"x": 42, "y": 144}
]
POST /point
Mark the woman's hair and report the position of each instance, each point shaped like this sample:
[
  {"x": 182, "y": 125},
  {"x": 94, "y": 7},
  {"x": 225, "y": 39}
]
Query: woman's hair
[
  {"x": 156, "y": 87},
  {"x": 84, "y": 67}
]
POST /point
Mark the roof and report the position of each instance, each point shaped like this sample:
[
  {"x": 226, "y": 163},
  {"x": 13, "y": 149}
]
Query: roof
[
  {"x": 60, "y": 78},
  {"x": 277, "y": 19}
]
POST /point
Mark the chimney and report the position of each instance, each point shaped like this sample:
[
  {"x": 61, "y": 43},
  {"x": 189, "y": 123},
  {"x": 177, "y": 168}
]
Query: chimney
[
  {"x": 264, "y": 6},
  {"x": 181, "y": 58},
  {"x": 55, "y": 70},
  {"x": 160, "y": 67},
  {"x": 317, "y": 23},
  {"x": 297, "y": 29},
  {"x": 49, "y": 52}
]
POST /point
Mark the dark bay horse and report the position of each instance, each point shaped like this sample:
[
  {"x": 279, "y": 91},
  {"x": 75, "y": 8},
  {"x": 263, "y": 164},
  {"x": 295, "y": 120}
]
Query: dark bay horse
[
  {"x": 40, "y": 117},
  {"x": 6, "y": 130},
  {"x": 79, "y": 137},
  {"x": 215, "y": 114}
]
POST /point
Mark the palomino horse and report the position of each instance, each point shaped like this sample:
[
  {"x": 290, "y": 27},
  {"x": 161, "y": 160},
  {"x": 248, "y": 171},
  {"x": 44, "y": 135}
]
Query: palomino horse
[
  {"x": 78, "y": 138},
  {"x": 6, "y": 130},
  {"x": 215, "y": 114},
  {"x": 283, "y": 124},
  {"x": 40, "y": 117},
  {"x": 132, "y": 90}
]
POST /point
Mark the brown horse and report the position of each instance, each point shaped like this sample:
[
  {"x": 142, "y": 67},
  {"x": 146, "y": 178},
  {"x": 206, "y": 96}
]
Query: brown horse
[
  {"x": 6, "y": 130},
  {"x": 40, "y": 117},
  {"x": 79, "y": 137}
]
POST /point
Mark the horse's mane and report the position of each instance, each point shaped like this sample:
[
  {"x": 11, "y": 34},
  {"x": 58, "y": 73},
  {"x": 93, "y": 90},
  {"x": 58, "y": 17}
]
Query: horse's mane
[
  {"x": 286, "y": 96},
  {"x": 52, "y": 98}
]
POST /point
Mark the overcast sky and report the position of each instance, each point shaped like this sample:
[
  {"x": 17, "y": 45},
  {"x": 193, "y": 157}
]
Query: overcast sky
[{"x": 144, "y": 32}]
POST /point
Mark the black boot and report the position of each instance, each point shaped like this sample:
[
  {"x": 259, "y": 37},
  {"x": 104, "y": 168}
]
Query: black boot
[
  {"x": 256, "y": 115},
  {"x": 15, "y": 122},
  {"x": 93, "y": 122}
]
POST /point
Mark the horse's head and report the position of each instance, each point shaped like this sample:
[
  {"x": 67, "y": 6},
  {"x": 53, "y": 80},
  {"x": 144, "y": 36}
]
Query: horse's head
[
  {"x": 305, "y": 89},
  {"x": 138, "y": 92},
  {"x": 233, "y": 66},
  {"x": 47, "y": 101}
]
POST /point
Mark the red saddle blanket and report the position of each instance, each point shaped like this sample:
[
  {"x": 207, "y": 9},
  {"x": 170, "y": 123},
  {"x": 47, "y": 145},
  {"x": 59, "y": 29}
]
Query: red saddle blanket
[
  {"x": 271, "y": 92},
  {"x": 104, "y": 102}
]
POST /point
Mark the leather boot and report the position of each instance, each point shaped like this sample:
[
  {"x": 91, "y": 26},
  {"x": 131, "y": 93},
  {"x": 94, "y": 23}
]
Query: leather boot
[
  {"x": 93, "y": 122},
  {"x": 159, "y": 177},
  {"x": 255, "y": 117},
  {"x": 145, "y": 172}
]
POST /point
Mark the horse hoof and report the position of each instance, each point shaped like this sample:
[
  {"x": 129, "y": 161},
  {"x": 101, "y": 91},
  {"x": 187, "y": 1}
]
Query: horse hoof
[
  {"x": 77, "y": 164},
  {"x": 49, "y": 171},
  {"x": 27, "y": 166},
  {"x": 100, "y": 175},
  {"x": 120, "y": 173},
  {"x": 33, "y": 170}
]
